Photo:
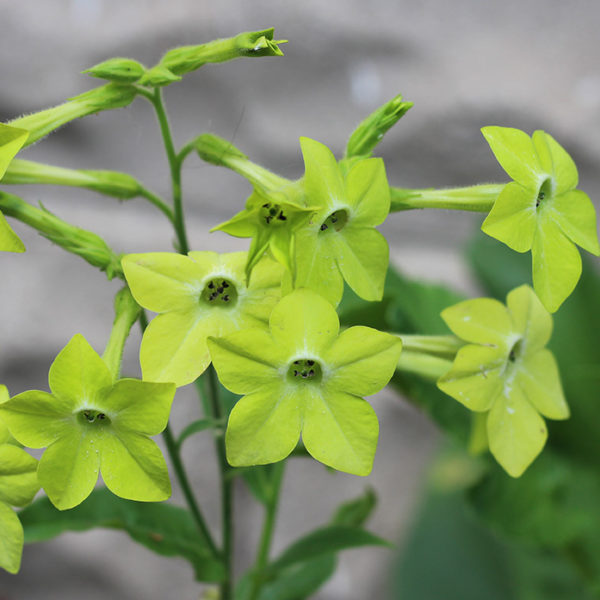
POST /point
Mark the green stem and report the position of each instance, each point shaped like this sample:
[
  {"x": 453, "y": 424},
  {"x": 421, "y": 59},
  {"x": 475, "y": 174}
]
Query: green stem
[
  {"x": 475, "y": 198},
  {"x": 181, "y": 474},
  {"x": 154, "y": 199},
  {"x": 268, "y": 528},
  {"x": 444, "y": 346},
  {"x": 425, "y": 365},
  {"x": 126, "y": 314},
  {"x": 226, "y": 484},
  {"x": 175, "y": 167}
]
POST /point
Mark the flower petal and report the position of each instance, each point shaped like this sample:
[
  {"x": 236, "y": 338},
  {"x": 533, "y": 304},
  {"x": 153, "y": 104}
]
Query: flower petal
[
  {"x": 513, "y": 217},
  {"x": 481, "y": 321},
  {"x": 539, "y": 379},
  {"x": 242, "y": 225},
  {"x": 37, "y": 419},
  {"x": 556, "y": 265},
  {"x": 174, "y": 346},
  {"x": 575, "y": 214},
  {"x": 11, "y": 540},
  {"x": 140, "y": 406},
  {"x": 362, "y": 360},
  {"x": 323, "y": 181},
  {"x": 246, "y": 360},
  {"x": 368, "y": 192},
  {"x": 164, "y": 281},
  {"x": 530, "y": 318},
  {"x": 516, "y": 432},
  {"x": 264, "y": 427},
  {"x": 556, "y": 161},
  {"x": 68, "y": 469},
  {"x": 316, "y": 267},
  {"x": 9, "y": 240},
  {"x": 78, "y": 372},
  {"x": 362, "y": 255},
  {"x": 134, "y": 468},
  {"x": 304, "y": 323},
  {"x": 340, "y": 430},
  {"x": 18, "y": 476},
  {"x": 516, "y": 154},
  {"x": 476, "y": 378}
]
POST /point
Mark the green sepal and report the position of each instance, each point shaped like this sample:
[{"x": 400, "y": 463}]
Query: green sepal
[
  {"x": 9, "y": 240},
  {"x": 370, "y": 132},
  {"x": 159, "y": 76},
  {"x": 119, "y": 70}
]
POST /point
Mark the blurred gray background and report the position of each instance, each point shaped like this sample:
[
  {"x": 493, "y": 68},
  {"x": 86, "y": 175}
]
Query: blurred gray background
[{"x": 465, "y": 64}]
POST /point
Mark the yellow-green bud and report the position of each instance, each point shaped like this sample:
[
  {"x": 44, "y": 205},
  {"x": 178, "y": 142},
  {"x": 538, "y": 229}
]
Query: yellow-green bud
[{"x": 119, "y": 70}]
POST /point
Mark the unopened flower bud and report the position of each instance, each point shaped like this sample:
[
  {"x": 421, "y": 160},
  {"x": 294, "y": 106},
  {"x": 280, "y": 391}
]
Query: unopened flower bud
[
  {"x": 119, "y": 70},
  {"x": 159, "y": 76}
]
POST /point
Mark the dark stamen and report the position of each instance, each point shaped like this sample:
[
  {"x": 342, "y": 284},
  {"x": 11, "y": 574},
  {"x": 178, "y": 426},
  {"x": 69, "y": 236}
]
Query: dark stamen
[
  {"x": 282, "y": 217},
  {"x": 225, "y": 284},
  {"x": 220, "y": 290},
  {"x": 311, "y": 372},
  {"x": 101, "y": 416},
  {"x": 310, "y": 363},
  {"x": 211, "y": 285},
  {"x": 268, "y": 219},
  {"x": 226, "y": 298},
  {"x": 266, "y": 205},
  {"x": 323, "y": 227}
]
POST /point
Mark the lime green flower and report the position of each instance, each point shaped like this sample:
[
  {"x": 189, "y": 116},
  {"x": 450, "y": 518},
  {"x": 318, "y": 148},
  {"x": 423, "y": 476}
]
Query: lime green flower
[
  {"x": 541, "y": 210},
  {"x": 11, "y": 141},
  {"x": 506, "y": 371},
  {"x": 304, "y": 377},
  {"x": 18, "y": 486},
  {"x": 271, "y": 219},
  {"x": 197, "y": 295},
  {"x": 90, "y": 423},
  {"x": 340, "y": 241}
]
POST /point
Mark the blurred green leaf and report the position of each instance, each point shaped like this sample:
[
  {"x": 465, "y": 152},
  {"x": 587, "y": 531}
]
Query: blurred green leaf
[
  {"x": 355, "y": 513},
  {"x": 163, "y": 528}
]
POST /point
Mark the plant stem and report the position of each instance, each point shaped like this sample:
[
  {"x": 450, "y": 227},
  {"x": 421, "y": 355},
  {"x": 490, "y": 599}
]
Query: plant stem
[
  {"x": 475, "y": 198},
  {"x": 226, "y": 484},
  {"x": 268, "y": 528},
  {"x": 181, "y": 474},
  {"x": 425, "y": 365},
  {"x": 444, "y": 346},
  {"x": 175, "y": 167},
  {"x": 154, "y": 199}
]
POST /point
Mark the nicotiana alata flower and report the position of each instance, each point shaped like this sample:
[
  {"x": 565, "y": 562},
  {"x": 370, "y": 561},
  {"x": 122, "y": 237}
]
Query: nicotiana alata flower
[
  {"x": 506, "y": 371},
  {"x": 541, "y": 210},
  {"x": 198, "y": 295},
  {"x": 90, "y": 424},
  {"x": 304, "y": 377},
  {"x": 340, "y": 241},
  {"x": 18, "y": 486}
]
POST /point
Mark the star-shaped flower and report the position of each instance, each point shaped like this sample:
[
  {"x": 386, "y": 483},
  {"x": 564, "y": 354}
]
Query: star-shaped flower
[
  {"x": 18, "y": 486},
  {"x": 197, "y": 295},
  {"x": 11, "y": 141},
  {"x": 340, "y": 241},
  {"x": 91, "y": 424},
  {"x": 506, "y": 371},
  {"x": 541, "y": 210},
  {"x": 304, "y": 377},
  {"x": 271, "y": 218}
]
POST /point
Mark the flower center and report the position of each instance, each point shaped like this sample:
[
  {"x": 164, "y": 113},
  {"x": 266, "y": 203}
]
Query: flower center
[
  {"x": 272, "y": 214},
  {"x": 336, "y": 221},
  {"x": 544, "y": 192},
  {"x": 516, "y": 351},
  {"x": 219, "y": 292},
  {"x": 91, "y": 415},
  {"x": 305, "y": 369}
]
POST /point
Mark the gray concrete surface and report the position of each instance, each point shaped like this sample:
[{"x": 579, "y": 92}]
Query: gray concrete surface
[{"x": 465, "y": 64}]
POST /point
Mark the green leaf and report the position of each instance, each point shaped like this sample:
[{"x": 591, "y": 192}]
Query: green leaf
[
  {"x": 355, "y": 513},
  {"x": 18, "y": 476},
  {"x": 163, "y": 528},
  {"x": 11, "y": 141},
  {"x": 11, "y": 539},
  {"x": 326, "y": 540},
  {"x": 197, "y": 427}
]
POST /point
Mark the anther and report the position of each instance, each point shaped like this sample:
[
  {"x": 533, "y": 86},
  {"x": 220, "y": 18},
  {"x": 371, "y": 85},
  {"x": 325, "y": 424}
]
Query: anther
[
  {"x": 211, "y": 285},
  {"x": 226, "y": 298},
  {"x": 304, "y": 374},
  {"x": 281, "y": 216},
  {"x": 310, "y": 363},
  {"x": 295, "y": 373},
  {"x": 220, "y": 290},
  {"x": 268, "y": 219},
  {"x": 323, "y": 227},
  {"x": 225, "y": 284},
  {"x": 311, "y": 372},
  {"x": 267, "y": 205},
  {"x": 101, "y": 416}
]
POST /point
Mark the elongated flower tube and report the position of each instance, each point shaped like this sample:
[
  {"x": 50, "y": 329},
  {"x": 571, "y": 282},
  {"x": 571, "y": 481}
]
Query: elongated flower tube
[
  {"x": 18, "y": 486},
  {"x": 303, "y": 377},
  {"x": 196, "y": 296},
  {"x": 506, "y": 372},
  {"x": 541, "y": 210},
  {"x": 90, "y": 423}
]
